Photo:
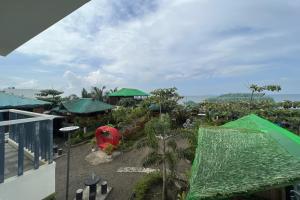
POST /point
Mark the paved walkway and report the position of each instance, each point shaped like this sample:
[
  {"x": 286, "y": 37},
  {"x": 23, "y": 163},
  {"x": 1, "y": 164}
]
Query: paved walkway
[{"x": 80, "y": 169}]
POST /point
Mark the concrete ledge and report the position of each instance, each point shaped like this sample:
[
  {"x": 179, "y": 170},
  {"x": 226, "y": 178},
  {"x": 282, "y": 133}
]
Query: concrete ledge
[{"x": 33, "y": 184}]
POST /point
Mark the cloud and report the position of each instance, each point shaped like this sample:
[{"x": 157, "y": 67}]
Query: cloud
[
  {"x": 18, "y": 82},
  {"x": 125, "y": 42}
]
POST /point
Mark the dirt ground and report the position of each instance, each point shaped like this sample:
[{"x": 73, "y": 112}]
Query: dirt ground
[{"x": 80, "y": 169}]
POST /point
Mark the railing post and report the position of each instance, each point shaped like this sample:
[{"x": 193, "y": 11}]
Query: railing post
[
  {"x": 37, "y": 145},
  {"x": 21, "y": 132},
  {"x": 50, "y": 140},
  {"x": 2, "y": 154}
]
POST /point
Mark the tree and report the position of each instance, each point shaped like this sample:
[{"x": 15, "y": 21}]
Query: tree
[
  {"x": 163, "y": 148},
  {"x": 85, "y": 93},
  {"x": 98, "y": 93},
  {"x": 50, "y": 95},
  {"x": 258, "y": 89},
  {"x": 166, "y": 98},
  {"x": 70, "y": 97}
]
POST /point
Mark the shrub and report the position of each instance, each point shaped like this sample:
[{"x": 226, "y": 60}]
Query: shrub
[
  {"x": 145, "y": 184},
  {"x": 128, "y": 102},
  {"x": 109, "y": 149}
]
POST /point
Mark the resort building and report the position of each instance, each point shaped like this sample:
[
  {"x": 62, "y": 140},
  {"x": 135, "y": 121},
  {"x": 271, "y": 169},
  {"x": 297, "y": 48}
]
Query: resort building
[
  {"x": 249, "y": 156},
  {"x": 10, "y": 101},
  {"x": 83, "y": 106},
  {"x": 115, "y": 97},
  {"x": 27, "y": 169}
]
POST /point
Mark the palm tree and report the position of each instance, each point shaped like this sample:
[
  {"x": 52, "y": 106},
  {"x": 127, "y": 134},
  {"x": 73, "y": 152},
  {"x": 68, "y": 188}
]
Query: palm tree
[
  {"x": 163, "y": 148},
  {"x": 98, "y": 93},
  {"x": 85, "y": 93},
  {"x": 258, "y": 89}
]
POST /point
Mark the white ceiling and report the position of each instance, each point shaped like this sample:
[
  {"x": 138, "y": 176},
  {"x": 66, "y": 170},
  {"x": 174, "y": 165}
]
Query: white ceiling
[{"x": 21, "y": 20}]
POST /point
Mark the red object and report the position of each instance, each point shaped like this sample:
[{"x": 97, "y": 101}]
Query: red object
[{"x": 107, "y": 135}]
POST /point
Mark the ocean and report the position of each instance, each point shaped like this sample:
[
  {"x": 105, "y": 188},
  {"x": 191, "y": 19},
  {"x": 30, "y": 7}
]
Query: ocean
[{"x": 276, "y": 97}]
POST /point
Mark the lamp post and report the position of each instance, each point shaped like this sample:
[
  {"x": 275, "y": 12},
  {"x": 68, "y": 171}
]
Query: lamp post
[{"x": 68, "y": 130}]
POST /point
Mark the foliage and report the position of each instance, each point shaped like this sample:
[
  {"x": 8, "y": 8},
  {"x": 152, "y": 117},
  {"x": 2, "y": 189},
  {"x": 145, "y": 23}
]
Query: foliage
[
  {"x": 124, "y": 117},
  {"x": 239, "y": 97},
  {"x": 81, "y": 137},
  {"x": 180, "y": 114},
  {"x": 182, "y": 196},
  {"x": 167, "y": 98},
  {"x": 128, "y": 102},
  {"x": 163, "y": 147},
  {"x": 70, "y": 97},
  {"x": 258, "y": 89},
  {"x": 98, "y": 93},
  {"x": 109, "y": 149},
  {"x": 143, "y": 186},
  {"x": 50, "y": 95},
  {"x": 85, "y": 93},
  {"x": 93, "y": 142}
]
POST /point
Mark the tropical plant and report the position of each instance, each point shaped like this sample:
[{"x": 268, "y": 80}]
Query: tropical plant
[
  {"x": 259, "y": 89},
  {"x": 109, "y": 149},
  {"x": 50, "y": 95},
  {"x": 85, "y": 93},
  {"x": 166, "y": 98},
  {"x": 144, "y": 184},
  {"x": 127, "y": 102},
  {"x": 98, "y": 93},
  {"x": 163, "y": 147}
]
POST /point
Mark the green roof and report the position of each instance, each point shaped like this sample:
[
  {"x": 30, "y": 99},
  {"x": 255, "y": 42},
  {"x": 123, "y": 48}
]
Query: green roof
[
  {"x": 83, "y": 106},
  {"x": 8, "y": 101},
  {"x": 245, "y": 156},
  {"x": 128, "y": 92}
]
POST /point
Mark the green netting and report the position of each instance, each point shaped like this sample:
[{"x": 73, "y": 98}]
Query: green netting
[
  {"x": 287, "y": 139},
  {"x": 242, "y": 159},
  {"x": 231, "y": 162}
]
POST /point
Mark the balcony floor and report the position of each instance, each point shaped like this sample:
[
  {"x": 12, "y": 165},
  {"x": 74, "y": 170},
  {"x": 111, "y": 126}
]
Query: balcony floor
[{"x": 11, "y": 162}]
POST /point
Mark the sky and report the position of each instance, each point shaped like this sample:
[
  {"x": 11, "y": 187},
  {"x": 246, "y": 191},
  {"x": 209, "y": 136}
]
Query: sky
[{"x": 199, "y": 46}]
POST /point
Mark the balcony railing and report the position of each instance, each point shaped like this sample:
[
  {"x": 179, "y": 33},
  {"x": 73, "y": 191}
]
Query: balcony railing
[{"x": 30, "y": 133}]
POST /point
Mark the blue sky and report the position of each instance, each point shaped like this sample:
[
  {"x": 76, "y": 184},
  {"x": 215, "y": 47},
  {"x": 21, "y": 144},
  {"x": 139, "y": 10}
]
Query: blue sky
[{"x": 199, "y": 46}]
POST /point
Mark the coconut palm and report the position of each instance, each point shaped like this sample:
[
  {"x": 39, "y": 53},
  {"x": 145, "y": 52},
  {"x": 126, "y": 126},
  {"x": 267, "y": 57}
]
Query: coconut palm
[
  {"x": 98, "y": 93},
  {"x": 163, "y": 147},
  {"x": 258, "y": 89}
]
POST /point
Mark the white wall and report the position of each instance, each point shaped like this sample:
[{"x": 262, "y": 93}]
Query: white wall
[{"x": 33, "y": 185}]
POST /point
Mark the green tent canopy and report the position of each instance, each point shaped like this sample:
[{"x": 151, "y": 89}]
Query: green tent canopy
[
  {"x": 128, "y": 92},
  {"x": 9, "y": 101},
  {"x": 83, "y": 106},
  {"x": 244, "y": 156}
]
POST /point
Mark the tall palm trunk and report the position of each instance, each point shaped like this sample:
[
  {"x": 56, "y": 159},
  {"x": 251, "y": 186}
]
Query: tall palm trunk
[
  {"x": 251, "y": 101},
  {"x": 164, "y": 190}
]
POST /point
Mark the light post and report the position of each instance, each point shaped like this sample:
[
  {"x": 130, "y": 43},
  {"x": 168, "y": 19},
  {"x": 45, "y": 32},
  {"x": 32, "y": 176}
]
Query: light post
[{"x": 68, "y": 130}]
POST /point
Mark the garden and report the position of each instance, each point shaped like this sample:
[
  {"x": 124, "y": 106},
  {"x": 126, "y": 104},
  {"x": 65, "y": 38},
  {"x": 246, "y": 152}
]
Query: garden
[{"x": 166, "y": 129}]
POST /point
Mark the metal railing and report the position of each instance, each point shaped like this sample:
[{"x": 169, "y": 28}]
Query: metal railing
[{"x": 30, "y": 132}]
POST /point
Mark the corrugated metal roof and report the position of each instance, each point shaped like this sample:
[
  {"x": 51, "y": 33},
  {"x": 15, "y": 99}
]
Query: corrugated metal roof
[
  {"x": 84, "y": 106},
  {"x": 13, "y": 101},
  {"x": 128, "y": 92}
]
